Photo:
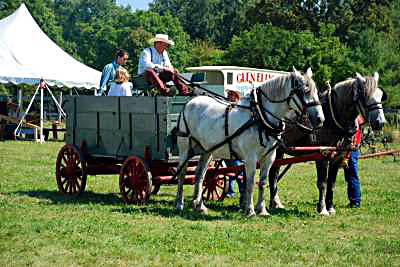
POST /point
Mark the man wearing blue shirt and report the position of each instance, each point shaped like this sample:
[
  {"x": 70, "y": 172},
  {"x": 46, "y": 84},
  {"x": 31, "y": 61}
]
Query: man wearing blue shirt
[
  {"x": 110, "y": 70},
  {"x": 156, "y": 68}
]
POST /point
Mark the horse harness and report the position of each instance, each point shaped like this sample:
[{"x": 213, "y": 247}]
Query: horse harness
[{"x": 265, "y": 127}]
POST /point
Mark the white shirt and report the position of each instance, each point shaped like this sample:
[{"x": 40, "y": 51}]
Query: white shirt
[
  {"x": 120, "y": 89},
  {"x": 159, "y": 60}
]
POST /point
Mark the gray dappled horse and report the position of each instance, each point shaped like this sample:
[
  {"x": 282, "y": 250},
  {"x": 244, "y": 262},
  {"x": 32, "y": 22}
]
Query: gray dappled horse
[
  {"x": 341, "y": 106},
  {"x": 252, "y": 134}
]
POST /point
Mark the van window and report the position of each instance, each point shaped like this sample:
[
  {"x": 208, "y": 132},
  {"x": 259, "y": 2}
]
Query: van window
[
  {"x": 198, "y": 77},
  {"x": 229, "y": 78},
  {"x": 215, "y": 77}
]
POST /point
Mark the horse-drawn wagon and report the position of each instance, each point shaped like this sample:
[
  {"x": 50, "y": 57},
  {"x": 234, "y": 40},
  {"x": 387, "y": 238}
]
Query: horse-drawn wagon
[
  {"x": 133, "y": 137},
  {"x": 129, "y": 136}
]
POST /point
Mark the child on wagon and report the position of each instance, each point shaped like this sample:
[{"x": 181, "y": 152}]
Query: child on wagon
[{"x": 121, "y": 85}]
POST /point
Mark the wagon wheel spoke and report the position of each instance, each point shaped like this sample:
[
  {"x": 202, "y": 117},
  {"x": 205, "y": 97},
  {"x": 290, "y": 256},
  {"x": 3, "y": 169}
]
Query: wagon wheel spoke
[
  {"x": 214, "y": 186},
  {"x": 134, "y": 181},
  {"x": 70, "y": 171}
]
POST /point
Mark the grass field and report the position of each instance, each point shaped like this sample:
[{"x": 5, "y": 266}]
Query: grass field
[{"x": 40, "y": 227}]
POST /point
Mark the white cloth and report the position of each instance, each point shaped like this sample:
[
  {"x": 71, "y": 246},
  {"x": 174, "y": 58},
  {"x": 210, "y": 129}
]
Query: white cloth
[
  {"x": 27, "y": 55},
  {"x": 159, "y": 60},
  {"x": 120, "y": 89}
]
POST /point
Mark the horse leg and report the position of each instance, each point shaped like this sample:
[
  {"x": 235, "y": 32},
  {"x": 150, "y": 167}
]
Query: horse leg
[
  {"x": 201, "y": 169},
  {"x": 332, "y": 174},
  {"x": 250, "y": 167},
  {"x": 274, "y": 201},
  {"x": 322, "y": 169},
  {"x": 267, "y": 163},
  {"x": 181, "y": 180}
]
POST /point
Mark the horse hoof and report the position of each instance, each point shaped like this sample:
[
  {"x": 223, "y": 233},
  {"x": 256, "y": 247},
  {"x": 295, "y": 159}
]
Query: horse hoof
[
  {"x": 250, "y": 213},
  {"x": 179, "y": 207},
  {"x": 324, "y": 212},
  {"x": 263, "y": 213},
  {"x": 203, "y": 210},
  {"x": 331, "y": 211},
  {"x": 275, "y": 205}
]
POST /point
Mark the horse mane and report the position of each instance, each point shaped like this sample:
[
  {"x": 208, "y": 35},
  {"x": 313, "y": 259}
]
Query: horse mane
[
  {"x": 274, "y": 87},
  {"x": 345, "y": 87}
]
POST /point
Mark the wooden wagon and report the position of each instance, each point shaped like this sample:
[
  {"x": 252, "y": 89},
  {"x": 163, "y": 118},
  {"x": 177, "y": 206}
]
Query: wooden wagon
[{"x": 131, "y": 137}]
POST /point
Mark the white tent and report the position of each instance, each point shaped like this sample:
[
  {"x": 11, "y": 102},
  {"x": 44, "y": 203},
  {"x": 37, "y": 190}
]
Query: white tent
[{"x": 27, "y": 55}]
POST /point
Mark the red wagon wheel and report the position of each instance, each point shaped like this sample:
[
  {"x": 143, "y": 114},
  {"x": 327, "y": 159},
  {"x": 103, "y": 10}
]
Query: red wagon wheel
[
  {"x": 71, "y": 173},
  {"x": 135, "y": 181},
  {"x": 214, "y": 187}
]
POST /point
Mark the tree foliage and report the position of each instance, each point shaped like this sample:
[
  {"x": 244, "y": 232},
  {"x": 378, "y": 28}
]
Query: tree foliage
[{"x": 335, "y": 37}]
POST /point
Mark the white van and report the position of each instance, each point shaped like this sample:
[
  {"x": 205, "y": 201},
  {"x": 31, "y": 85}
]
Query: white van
[{"x": 219, "y": 78}]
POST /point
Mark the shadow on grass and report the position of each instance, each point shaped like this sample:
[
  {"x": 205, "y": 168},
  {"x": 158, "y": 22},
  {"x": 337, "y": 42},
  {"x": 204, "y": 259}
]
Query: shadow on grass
[
  {"x": 166, "y": 208},
  {"x": 161, "y": 207},
  {"x": 86, "y": 197},
  {"x": 291, "y": 213}
]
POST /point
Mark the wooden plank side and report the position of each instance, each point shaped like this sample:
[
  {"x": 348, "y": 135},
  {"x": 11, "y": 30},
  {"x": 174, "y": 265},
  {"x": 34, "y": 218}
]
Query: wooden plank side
[
  {"x": 139, "y": 105},
  {"x": 69, "y": 106},
  {"x": 96, "y": 104}
]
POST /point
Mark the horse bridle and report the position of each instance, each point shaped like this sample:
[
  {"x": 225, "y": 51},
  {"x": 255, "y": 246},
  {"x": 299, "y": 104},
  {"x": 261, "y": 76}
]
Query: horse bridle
[
  {"x": 297, "y": 90},
  {"x": 361, "y": 101}
]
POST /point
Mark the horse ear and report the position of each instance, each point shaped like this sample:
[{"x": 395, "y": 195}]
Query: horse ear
[
  {"x": 359, "y": 77},
  {"x": 309, "y": 73},
  {"x": 384, "y": 95},
  {"x": 294, "y": 69},
  {"x": 376, "y": 77}
]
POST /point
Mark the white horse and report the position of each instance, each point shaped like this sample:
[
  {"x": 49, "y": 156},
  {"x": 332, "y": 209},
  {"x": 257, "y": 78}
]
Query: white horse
[{"x": 254, "y": 128}]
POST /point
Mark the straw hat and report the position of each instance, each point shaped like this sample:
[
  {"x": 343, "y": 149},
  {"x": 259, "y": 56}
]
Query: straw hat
[{"x": 162, "y": 38}]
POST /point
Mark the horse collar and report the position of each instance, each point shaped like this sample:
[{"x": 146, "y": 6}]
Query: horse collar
[{"x": 259, "y": 114}]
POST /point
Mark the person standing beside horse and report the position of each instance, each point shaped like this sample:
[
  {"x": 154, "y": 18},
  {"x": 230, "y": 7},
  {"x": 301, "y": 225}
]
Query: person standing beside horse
[
  {"x": 233, "y": 96},
  {"x": 351, "y": 170},
  {"x": 110, "y": 71},
  {"x": 156, "y": 68}
]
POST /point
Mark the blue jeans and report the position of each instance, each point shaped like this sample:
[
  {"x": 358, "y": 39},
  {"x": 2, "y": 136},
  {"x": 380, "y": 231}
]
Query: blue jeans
[
  {"x": 231, "y": 185},
  {"x": 353, "y": 179}
]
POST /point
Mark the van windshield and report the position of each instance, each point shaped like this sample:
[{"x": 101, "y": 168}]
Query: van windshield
[{"x": 209, "y": 77}]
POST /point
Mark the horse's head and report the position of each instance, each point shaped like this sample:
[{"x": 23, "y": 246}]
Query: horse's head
[
  {"x": 368, "y": 98},
  {"x": 305, "y": 97}
]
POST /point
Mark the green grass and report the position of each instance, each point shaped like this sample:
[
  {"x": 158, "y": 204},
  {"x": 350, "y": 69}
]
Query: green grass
[{"x": 40, "y": 227}]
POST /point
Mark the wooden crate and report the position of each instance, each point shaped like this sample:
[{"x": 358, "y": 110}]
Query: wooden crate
[{"x": 119, "y": 127}]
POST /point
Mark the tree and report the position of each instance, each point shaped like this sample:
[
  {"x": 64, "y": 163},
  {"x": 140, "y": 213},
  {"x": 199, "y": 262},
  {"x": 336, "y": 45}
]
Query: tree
[
  {"x": 269, "y": 47},
  {"x": 208, "y": 20}
]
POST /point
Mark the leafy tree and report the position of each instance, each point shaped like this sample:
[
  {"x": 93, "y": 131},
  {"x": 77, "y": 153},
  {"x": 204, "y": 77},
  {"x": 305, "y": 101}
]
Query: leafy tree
[
  {"x": 212, "y": 20},
  {"x": 349, "y": 16},
  {"x": 269, "y": 47},
  {"x": 204, "y": 54}
]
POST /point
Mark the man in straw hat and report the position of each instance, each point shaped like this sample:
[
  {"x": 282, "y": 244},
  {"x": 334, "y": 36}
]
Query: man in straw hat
[{"x": 156, "y": 68}]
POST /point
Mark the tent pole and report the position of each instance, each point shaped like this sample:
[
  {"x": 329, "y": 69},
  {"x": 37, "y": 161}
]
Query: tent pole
[
  {"x": 60, "y": 101},
  {"x": 41, "y": 110},
  {"x": 20, "y": 107},
  {"x": 26, "y": 111},
  {"x": 55, "y": 101}
]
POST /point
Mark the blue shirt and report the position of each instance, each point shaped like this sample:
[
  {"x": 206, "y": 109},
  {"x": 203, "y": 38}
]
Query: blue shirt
[{"x": 107, "y": 76}]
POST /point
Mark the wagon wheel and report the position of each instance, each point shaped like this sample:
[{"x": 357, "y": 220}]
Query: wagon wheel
[
  {"x": 214, "y": 187},
  {"x": 135, "y": 181},
  {"x": 71, "y": 173}
]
